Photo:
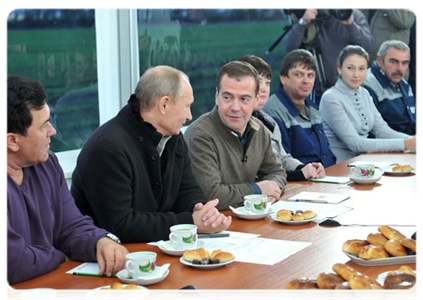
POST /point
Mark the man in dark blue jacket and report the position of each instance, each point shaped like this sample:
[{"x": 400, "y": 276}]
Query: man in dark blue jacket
[
  {"x": 391, "y": 94},
  {"x": 297, "y": 116}
]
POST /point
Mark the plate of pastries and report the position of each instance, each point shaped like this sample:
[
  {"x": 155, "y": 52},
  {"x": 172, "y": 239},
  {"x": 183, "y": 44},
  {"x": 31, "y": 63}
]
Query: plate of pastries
[
  {"x": 387, "y": 247},
  {"x": 203, "y": 259},
  {"x": 398, "y": 169},
  {"x": 402, "y": 278},
  {"x": 290, "y": 217},
  {"x": 346, "y": 277},
  {"x": 118, "y": 291}
]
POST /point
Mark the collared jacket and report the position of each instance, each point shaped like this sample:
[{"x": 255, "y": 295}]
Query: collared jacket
[
  {"x": 124, "y": 184},
  {"x": 303, "y": 137},
  {"x": 396, "y": 103},
  {"x": 224, "y": 169}
]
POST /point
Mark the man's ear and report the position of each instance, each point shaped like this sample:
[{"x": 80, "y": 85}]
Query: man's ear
[
  {"x": 216, "y": 97},
  {"x": 282, "y": 78},
  {"x": 13, "y": 142},
  {"x": 164, "y": 104}
]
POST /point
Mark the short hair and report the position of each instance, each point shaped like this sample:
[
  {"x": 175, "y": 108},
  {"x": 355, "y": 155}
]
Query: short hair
[
  {"x": 399, "y": 45},
  {"x": 352, "y": 50},
  {"x": 297, "y": 57},
  {"x": 23, "y": 94},
  {"x": 259, "y": 64},
  {"x": 238, "y": 69},
  {"x": 158, "y": 82}
]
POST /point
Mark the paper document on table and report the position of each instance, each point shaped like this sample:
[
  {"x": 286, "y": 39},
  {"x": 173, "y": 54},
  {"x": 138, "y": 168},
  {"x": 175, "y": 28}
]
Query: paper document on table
[
  {"x": 322, "y": 211},
  {"x": 332, "y": 179},
  {"x": 315, "y": 197},
  {"x": 88, "y": 268},
  {"x": 236, "y": 237},
  {"x": 377, "y": 164}
]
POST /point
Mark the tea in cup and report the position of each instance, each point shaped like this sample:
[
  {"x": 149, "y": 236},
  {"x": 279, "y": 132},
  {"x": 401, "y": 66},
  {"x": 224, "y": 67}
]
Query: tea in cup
[
  {"x": 363, "y": 171},
  {"x": 141, "y": 264},
  {"x": 256, "y": 203},
  {"x": 183, "y": 236}
]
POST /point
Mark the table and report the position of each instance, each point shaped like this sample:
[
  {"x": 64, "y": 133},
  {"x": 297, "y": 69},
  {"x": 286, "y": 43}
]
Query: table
[{"x": 390, "y": 201}]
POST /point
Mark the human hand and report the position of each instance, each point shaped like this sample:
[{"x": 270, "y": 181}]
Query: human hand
[
  {"x": 319, "y": 169},
  {"x": 208, "y": 219},
  {"x": 111, "y": 256},
  {"x": 410, "y": 143},
  {"x": 309, "y": 15},
  {"x": 349, "y": 21},
  {"x": 309, "y": 171},
  {"x": 270, "y": 189}
]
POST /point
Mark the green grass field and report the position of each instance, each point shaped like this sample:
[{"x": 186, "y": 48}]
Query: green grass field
[{"x": 64, "y": 60}]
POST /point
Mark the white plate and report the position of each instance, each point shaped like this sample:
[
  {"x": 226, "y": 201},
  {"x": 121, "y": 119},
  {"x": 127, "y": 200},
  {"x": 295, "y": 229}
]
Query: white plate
[
  {"x": 408, "y": 259},
  {"x": 364, "y": 180},
  {"x": 382, "y": 276},
  {"x": 145, "y": 293},
  {"x": 170, "y": 251},
  {"x": 273, "y": 216},
  {"x": 205, "y": 267},
  {"x": 124, "y": 276},
  {"x": 243, "y": 213},
  {"x": 388, "y": 170}
]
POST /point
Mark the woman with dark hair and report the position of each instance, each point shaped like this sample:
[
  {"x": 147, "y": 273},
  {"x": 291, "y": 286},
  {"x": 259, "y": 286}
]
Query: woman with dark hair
[{"x": 349, "y": 115}]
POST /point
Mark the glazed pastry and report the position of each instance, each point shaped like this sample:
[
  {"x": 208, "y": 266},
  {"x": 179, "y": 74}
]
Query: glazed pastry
[
  {"x": 377, "y": 239},
  {"x": 328, "y": 280},
  {"x": 191, "y": 255},
  {"x": 354, "y": 246},
  {"x": 390, "y": 233},
  {"x": 308, "y": 214},
  {"x": 284, "y": 215},
  {"x": 373, "y": 252},
  {"x": 303, "y": 283},
  {"x": 298, "y": 217},
  {"x": 409, "y": 243},
  {"x": 395, "y": 248}
]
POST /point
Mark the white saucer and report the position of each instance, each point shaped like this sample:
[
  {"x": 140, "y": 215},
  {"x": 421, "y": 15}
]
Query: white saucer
[
  {"x": 124, "y": 276},
  {"x": 145, "y": 293},
  {"x": 366, "y": 180},
  {"x": 388, "y": 171},
  {"x": 168, "y": 248},
  {"x": 205, "y": 267},
  {"x": 273, "y": 216},
  {"x": 243, "y": 213}
]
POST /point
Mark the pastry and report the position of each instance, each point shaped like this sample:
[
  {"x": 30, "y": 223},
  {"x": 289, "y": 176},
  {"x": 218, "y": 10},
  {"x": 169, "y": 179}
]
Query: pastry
[
  {"x": 354, "y": 246},
  {"x": 316, "y": 294},
  {"x": 365, "y": 290},
  {"x": 395, "y": 248},
  {"x": 377, "y": 239},
  {"x": 373, "y": 252},
  {"x": 399, "y": 281},
  {"x": 402, "y": 168},
  {"x": 328, "y": 280},
  {"x": 191, "y": 255},
  {"x": 203, "y": 253},
  {"x": 409, "y": 243},
  {"x": 298, "y": 217},
  {"x": 343, "y": 292},
  {"x": 390, "y": 233},
  {"x": 131, "y": 290},
  {"x": 284, "y": 215},
  {"x": 407, "y": 270},
  {"x": 308, "y": 214},
  {"x": 344, "y": 271},
  {"x": 118, "y": 295},
  {"x": 103, "y": 294},
  {"x": 215, "y": 252},
  {"x": 116, "y": 286},
  {"x": 223, "y": 256},
  {"x": 302, "y": 283}
]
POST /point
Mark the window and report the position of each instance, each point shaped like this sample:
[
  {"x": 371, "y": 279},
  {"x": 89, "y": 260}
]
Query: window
[
  {"x": 200, "y": 41},
  {"x": 58, "y": 48}
]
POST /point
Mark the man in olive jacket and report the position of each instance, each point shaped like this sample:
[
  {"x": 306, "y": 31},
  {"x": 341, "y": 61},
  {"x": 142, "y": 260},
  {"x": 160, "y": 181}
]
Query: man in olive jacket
[{"x": 230, "y": 150}]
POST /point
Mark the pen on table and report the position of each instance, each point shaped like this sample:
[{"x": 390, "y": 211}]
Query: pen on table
[
  {"x": 93, "y": 274},
  {"x": 311, "y": 201},
  {"x": 210, "y": 236}
]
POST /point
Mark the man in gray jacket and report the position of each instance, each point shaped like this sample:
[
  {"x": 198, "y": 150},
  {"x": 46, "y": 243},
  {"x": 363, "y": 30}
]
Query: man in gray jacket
[{"x": 228, "y": 147}]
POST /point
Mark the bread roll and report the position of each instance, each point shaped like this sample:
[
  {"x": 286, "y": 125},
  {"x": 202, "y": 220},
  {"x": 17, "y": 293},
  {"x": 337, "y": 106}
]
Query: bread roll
[
  {"x": 365, "y": 290},
  {"x": 399, "y": 281},
  {"x": 191, "y": 255},
  {"x": 131, "y": 290},
  {"x": 116, "y": 286},
  {"x": 298, "y": 217},
  {"x": 409, "y": 243},
  {"x": 390, "y": 233},
  {"x": 284, "y": 215},
  {"x": 395, "y": 248},
  {"x": 302, "y": 283},
  {"x": 328, "y": 280},
  {"x": 203, "y": 253},
  {"x": 344, "y": 271},
  {"x": 103, "y": 294},
  {"x": 377, "y": 239},
  {"x": 373, "y": 252},
  {"x": 308, "y": 214},
  {"x": 403, "y": 291},
  {"x": 343, "y": 292},
  {"x": 118, "y": 295},
  {"x": 215, "y": 252},
  {"x": 316, "y": 294},
  {"x": 407, "y": 270},
  {"x": 224, "y": 256},
  {"x": 354, "y": 246}
]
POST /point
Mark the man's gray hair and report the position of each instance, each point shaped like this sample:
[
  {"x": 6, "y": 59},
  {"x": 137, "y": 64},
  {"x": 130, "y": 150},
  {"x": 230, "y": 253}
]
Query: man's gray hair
[
  {"x": 158, "y": 82},
  {"x": 399, "y": 45}
]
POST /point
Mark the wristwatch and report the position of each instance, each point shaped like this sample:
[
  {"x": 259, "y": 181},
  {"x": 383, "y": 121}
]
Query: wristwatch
[{"x": 113, "y": 238}]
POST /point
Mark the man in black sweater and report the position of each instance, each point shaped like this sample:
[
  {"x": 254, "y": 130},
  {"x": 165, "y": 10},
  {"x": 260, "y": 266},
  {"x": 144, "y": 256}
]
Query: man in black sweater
[{"x": 134, "y": 176}]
